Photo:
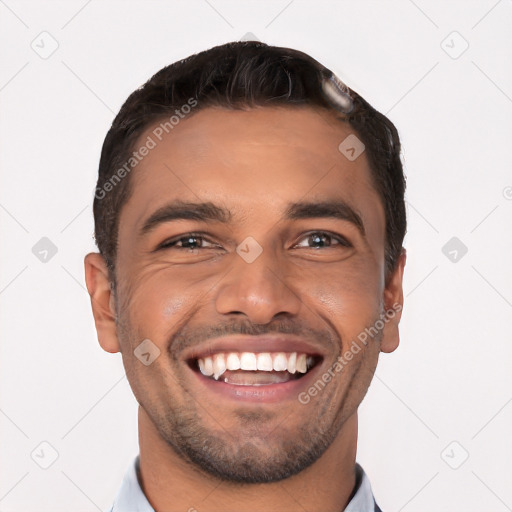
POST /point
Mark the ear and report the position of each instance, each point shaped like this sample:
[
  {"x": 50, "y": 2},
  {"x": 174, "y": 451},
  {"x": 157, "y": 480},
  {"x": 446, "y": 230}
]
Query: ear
[
  {"x": 393, "y": 305},
  {"x": 102, "y": 301}
]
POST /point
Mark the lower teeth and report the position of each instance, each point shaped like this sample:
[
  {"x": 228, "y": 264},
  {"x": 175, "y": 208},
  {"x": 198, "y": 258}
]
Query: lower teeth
[{"x": 257, "y": 378}]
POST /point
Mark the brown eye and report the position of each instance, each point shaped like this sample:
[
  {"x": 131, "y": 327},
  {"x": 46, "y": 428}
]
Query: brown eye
[
  {"x": 321, "y": 239},
  {"x": 190, "y": 242}
]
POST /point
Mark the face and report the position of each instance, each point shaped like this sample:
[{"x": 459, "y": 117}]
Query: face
[{"x": 251, "y": 255}]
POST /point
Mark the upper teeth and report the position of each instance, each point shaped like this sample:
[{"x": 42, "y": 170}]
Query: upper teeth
[{"x": 217, "y": 364}]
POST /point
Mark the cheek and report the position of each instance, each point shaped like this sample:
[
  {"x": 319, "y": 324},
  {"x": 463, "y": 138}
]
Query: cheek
[
  {"x": 171, "y": 306},
  {"x": 350, "y": 300},
  {"x": 154, "y": 305},
  {"x": 159, "y": 299}
]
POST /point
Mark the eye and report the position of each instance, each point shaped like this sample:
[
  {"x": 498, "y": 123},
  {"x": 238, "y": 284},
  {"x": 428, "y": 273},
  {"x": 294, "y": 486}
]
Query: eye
[
  {"x": 191, "y": 242},
  {"x": 320, "y": 239}
]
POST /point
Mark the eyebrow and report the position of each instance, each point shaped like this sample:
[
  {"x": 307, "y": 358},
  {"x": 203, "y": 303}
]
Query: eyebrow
[
  {"x": 210, "y": 212},
  {"x": 326, "y": 209},
  {"x": 179, "y": 210}
]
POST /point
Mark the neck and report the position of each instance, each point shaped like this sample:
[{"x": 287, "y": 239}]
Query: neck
[{"x": 172, "y": 484}]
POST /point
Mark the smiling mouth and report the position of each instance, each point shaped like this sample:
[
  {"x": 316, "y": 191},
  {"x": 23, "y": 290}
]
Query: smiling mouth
[{"x": 255, "y": 368}]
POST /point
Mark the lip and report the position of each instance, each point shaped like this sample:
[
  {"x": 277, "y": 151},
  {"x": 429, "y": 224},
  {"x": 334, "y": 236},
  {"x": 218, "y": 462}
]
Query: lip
[
  {"x": 270, "y": 393},
  {"x": 269, "y": 343}
]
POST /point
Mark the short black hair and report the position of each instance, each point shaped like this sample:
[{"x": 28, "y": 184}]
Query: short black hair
[{"x": 244, "y": 75}]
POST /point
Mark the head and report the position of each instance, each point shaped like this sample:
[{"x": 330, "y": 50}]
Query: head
[{"x": 248, "y": 201}]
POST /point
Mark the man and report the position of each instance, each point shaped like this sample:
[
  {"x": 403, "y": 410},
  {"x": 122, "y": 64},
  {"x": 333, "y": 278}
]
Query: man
[{"x": 249, "y": 215}]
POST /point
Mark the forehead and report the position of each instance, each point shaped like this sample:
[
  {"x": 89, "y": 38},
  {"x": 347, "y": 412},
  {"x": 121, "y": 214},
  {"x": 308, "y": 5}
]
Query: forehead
[{"x": 245, "y": 159}]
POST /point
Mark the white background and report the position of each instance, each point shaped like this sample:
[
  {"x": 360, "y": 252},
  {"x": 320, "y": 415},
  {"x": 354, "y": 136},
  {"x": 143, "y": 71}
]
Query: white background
[{"x": 450, "y": 379}]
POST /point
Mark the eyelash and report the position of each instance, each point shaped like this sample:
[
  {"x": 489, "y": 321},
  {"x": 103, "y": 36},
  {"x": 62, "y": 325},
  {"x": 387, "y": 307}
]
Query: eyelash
[{"x": 171, "y": 244}]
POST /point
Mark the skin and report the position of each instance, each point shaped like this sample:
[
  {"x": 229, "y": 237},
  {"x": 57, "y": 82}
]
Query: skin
[{"x": 254, "y": 163}]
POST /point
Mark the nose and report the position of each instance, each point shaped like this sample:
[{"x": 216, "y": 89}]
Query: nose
[{"x": 258, "y": 290}]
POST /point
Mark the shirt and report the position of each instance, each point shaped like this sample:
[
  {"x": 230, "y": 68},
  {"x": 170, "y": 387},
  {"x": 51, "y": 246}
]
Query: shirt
[{"x": 131, "y": 498}]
